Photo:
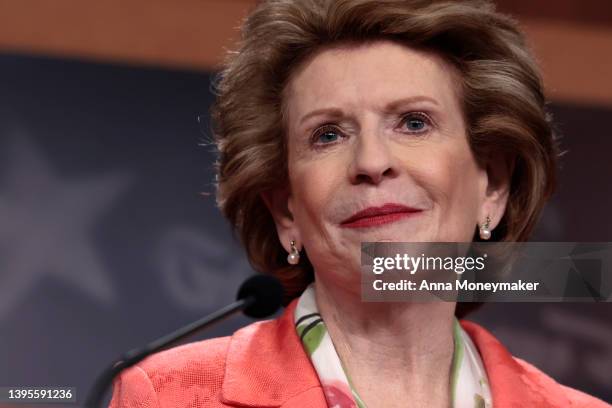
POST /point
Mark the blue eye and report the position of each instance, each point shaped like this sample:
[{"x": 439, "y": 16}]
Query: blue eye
[
  {"x": 415, "y": 123},
  {"x": 326, "y": 135}
]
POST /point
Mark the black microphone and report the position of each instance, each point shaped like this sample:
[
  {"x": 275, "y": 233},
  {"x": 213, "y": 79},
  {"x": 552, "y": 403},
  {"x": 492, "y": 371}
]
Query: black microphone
[{"x": 258, "y": 297}]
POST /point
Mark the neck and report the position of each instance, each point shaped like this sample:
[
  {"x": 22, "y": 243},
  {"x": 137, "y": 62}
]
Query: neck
[{"x": 407, "y": 346}]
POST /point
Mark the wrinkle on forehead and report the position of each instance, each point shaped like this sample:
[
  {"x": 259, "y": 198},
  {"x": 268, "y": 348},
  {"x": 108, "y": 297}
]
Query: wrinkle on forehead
[{"x": 309, "y": 82}]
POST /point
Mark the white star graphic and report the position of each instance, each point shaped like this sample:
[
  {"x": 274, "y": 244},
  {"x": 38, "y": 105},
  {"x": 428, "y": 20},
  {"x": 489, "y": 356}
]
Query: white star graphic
[{"x": 46, "y": 224}]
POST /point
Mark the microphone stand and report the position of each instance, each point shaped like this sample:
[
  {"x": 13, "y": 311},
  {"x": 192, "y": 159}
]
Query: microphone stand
[{"x": 135, "y": 356}]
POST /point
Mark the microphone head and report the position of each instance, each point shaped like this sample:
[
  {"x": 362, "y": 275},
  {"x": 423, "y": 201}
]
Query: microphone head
[{"x": 267, "y": 292}]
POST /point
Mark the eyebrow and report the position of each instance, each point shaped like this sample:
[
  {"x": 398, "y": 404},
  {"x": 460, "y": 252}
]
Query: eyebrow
[{"x": 390, "y": 107}]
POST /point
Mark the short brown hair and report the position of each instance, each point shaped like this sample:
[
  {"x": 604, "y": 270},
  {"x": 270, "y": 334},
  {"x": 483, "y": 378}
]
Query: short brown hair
[{"x": 501, "y": 90}]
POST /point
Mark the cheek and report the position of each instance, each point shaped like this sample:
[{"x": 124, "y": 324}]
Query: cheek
[
  {"x": 312, "y": 192},
  {"x": 452, "y": 178}
]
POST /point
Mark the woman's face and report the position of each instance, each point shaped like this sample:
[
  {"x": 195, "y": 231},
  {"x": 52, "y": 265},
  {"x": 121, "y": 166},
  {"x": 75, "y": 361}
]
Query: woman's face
[{"x": 378, "y": 151}]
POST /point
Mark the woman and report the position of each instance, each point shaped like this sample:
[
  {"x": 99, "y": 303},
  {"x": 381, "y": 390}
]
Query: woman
[{"x": 344, "y": 121}]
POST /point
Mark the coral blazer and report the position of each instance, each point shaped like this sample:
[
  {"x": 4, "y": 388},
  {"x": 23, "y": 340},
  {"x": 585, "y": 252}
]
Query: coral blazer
[{"x": 264, "y": 365}]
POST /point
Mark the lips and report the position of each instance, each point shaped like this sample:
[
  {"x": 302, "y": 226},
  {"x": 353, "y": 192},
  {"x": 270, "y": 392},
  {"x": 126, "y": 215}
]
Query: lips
[{"x": 373, "y": 216}]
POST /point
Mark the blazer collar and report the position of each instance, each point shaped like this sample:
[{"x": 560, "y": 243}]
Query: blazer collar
[
  {"x": 513, "y": 382},
  {"x": 266, "y": 365}
]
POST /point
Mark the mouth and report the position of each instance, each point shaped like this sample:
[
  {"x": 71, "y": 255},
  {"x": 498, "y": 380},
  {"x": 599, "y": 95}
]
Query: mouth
[{"x": 375, "y": 216}]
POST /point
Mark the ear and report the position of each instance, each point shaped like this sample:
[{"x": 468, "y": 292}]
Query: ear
[
  {"x": 499, "y": 170},
  {"x": 278, "y": 202}
]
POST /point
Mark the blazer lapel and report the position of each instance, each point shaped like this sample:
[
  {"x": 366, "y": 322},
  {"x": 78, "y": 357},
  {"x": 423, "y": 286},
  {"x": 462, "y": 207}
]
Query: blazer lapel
[
  {"x": 266, "y": 366},
  {"x": 513, "y": 383}
]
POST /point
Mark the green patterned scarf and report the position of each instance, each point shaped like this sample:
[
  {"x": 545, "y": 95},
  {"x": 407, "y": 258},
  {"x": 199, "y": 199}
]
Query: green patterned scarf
[{"x": 469, "y": 384}]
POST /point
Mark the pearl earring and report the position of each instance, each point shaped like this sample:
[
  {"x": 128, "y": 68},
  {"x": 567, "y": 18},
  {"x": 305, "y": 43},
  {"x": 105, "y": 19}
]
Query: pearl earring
[
  {"x": 294, "y": 256},
  {"x": 485, "y": 232}
]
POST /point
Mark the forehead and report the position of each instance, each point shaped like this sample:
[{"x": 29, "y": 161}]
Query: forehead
[{"x": 369, "y": 76}]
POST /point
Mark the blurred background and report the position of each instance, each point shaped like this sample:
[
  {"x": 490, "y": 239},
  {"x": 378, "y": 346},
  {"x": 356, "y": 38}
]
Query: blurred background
[{"x": 109, "y": 234}]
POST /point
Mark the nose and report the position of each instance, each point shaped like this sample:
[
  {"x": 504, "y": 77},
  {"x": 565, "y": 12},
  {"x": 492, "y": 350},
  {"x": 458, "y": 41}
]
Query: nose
[{"x": 372, "y": 161}]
